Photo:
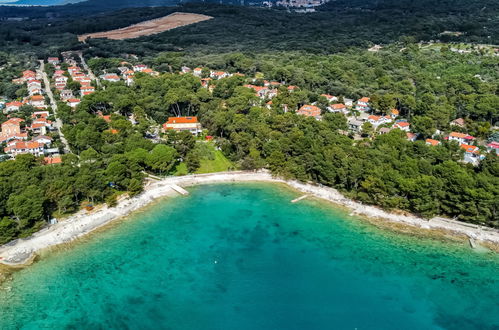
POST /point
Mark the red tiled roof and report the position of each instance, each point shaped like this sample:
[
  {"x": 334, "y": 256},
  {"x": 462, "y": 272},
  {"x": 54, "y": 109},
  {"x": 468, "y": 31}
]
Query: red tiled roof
[
  {"x": 182, "y": 120},
  {"x": 432, "y": 142}
]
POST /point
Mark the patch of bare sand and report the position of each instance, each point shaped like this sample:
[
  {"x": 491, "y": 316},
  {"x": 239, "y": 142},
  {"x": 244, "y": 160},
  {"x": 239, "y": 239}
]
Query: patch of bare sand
[{"x": 150, "y": 27}]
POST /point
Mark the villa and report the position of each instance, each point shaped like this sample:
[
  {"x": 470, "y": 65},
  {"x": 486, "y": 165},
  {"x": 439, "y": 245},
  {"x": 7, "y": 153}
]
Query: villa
[
  {"x": 310, "y": 111},
  {"x": 180, "y": 124}
]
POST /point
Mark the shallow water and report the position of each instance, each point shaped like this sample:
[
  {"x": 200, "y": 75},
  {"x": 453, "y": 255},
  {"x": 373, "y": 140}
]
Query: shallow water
[{"x": 241, "y": 256}]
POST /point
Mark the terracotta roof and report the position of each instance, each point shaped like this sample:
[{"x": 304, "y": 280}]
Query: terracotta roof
[
  {"x": 364, "y": 99},
  {"x": 52, "y": 160},
  {"x": 394, "y": 112},
  {"x": 372, "y": 117},
  {"x": 73, "y": 100},
  {"x": 461, "y": 135},
  {"x": 402, "y": 124},
  {"x": 432, "y": 142},
  {"x": 14, "y": 103},
  {"x": 13, "y": 121},
  {"x": 182, "y": 120},
  {"x": 338, "y": 106},
  {"x": 468, "y": 148},
  {"x": 37, "y": 98}
]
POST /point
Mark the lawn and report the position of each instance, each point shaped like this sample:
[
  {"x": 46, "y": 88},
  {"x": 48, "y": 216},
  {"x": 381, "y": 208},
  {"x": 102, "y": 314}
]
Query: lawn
[{"x": 212, "y": 160}]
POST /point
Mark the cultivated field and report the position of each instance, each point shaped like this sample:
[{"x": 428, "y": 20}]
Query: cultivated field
[{"x": 147, "y": 28}]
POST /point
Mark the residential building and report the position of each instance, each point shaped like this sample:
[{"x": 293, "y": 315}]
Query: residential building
[
  {"x": 493, "y": 147},
  {"x": 86, "y": 90},
  {"x": 198, "y": 72},
  {"x": 363, "y": 104},
  {"x": 330, "y": 98},
  {"x": 461, "y": 138},
  {"x": 53, "y": 60},
  {"x": 310, "y": 111},
  {"x": 37, "y": 101},
  {"x": 179, "y": 124},
  {"x": 355, "y": 125},
  {"x": 139, "y": 67},
  {"x": 73, "y": 103},
  {"x": 432, "y": 142},
  {"x": 43, "y": 139},
  {"x": 402, "y": 125},
  {"x": 111, "y": 77},
  {"x": 338, "y": 107},
  {"x": 24, "y": 147},
  {"x": 471, "y": 154},
  {"x": 66, "y": 94},
  {"x": 459, "y": 122},
  {"x": 12, "y": 106},
  {"x": 219, "y": 74}
]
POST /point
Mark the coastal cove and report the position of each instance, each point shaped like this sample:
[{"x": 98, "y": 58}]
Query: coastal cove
[
  {"x": 241, "y": 255},
  {"x": 23, "y": 251}
]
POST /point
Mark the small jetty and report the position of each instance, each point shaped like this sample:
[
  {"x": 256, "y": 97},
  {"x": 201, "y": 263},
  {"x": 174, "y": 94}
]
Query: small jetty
[
  {"x": 472, "y": 243},
  {"x": 299, "y": 199},
  {"x": 179, "y": 189}
]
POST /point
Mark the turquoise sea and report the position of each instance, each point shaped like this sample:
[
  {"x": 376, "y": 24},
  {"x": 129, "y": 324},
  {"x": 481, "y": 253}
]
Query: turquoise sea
[{"x": 241, "y": 256}]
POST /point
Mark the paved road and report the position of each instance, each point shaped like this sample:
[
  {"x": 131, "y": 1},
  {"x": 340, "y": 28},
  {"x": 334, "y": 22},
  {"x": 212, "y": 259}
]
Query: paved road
[
  {"x": 87, "y": 68},
  {"x": 53, "y": 104}
]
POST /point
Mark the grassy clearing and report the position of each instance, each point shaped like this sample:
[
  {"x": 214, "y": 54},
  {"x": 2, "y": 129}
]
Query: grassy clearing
[{"x": 212, "y": 160}]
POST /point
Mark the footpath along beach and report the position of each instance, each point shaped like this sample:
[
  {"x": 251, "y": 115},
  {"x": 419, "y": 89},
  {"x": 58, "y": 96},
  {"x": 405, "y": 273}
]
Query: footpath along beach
[{"x": 22, "y": 251}]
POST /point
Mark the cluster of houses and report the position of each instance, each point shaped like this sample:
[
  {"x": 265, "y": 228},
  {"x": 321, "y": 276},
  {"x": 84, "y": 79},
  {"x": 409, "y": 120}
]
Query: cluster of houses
[
  {"x": 35, "y": 97},
  {"x": 127, "y": 73},
  {"x": 357, "y": 113},
  {"x": 15, "y": 135}
]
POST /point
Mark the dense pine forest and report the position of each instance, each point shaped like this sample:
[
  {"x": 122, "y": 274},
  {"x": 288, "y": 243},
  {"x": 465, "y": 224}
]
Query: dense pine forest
[{"x": 323, "y": 52}]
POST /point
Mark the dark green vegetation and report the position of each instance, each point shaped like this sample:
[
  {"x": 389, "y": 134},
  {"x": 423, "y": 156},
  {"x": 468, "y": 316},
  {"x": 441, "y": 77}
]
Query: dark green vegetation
[{"x": 321, "y": 53}]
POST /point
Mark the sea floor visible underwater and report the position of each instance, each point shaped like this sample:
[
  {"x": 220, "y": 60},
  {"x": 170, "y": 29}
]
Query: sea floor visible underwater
[{"x": 241, "y": 256}]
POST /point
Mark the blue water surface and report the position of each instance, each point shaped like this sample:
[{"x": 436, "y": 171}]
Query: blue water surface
[{"x": 241, "y": 256}]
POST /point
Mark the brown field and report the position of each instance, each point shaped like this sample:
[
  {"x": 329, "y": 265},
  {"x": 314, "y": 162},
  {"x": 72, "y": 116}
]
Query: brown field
[{"x": 147, "y": 28}]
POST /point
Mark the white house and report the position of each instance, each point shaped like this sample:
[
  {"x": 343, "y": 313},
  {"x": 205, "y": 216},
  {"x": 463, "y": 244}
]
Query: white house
[
  {"x": 139, "y": 67},
  {"x": 363, "y": 104},
  {"x": 73, "y": 102},
  {"x": 461, "y": 138},
  {"x": 338, "y": 107},
  {"x": 402, "y": 125},
  {"x": 12, "y": 106}
]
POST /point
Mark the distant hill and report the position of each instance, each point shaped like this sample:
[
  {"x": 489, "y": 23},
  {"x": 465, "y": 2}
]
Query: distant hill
[{"x": 38, "y": 2}]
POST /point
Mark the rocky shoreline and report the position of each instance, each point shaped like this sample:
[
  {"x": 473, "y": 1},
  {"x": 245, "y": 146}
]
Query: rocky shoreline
[{"x": 20, "y": 252}]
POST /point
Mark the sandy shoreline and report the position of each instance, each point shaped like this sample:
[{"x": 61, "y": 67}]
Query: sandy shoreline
[{"x": 21, "y": 252}]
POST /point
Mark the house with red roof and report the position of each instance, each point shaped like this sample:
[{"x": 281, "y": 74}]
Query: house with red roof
[
  {"x": 471, "y": 154},
  {"x": 330, "y": 98},
  {"x": 86, "y": 90},
  {"x": 180, "y": 124},
  {"x": 219, "y": 75},
  {"x": 493, "y": 147},
  {"x": 432, "y": 142},
  {"x": 37, "y": 101},
  {"x": 111, "y": 77},
  {"x": 52, "y": 160},
  {"x": 461, "y": 138},
  {"x": 402, "y": 125},
  {"x": 363, "y": 104},
  {"x": 197, "y": 72},
  {"x": 73, "y": 103},
  {"x": 24, "y": 147},
  {"x": 139, "y": 67},
  {"x": 310, "y": 111},
  {"x": 12, "y": 106},
  {"x": 459, "y": 122},
  {"x": 53, "y": 60},
  {"x": 378, "y": 120},
  {"x": 338, "y": 107}
]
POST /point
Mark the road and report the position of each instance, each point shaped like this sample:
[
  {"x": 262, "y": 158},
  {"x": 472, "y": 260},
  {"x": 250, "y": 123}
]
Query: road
[
  {"x": 87, "y": 68},
  {"x": 53, "y": 104}
]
